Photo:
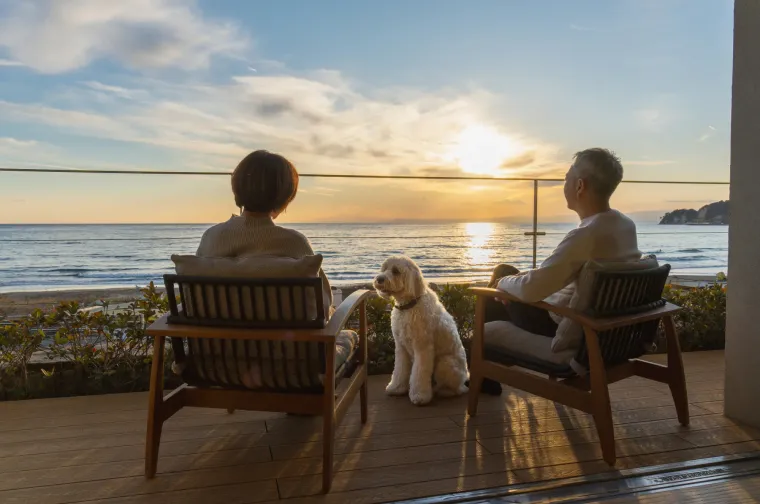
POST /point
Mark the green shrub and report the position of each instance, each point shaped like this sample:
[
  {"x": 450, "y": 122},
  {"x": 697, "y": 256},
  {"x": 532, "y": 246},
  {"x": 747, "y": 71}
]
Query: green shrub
[
  {"x": 90, "y": 352},
  {"x": 380, "y": 344},
  {"x": 18, "y": 342},
  {"x": 701, "y": 324},
  {"x": 108, "y": 352}
]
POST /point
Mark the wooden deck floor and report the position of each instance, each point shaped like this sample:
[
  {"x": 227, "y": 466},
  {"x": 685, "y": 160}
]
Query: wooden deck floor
[{"x": 90, "y": 449}]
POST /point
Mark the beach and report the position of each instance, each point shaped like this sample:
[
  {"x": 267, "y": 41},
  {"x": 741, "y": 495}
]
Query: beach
[{"x": 16, "y": 304}]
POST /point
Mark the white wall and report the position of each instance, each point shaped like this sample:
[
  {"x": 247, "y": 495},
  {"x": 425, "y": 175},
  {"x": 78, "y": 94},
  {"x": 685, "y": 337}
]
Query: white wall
[{"x": 743, "y": 326}]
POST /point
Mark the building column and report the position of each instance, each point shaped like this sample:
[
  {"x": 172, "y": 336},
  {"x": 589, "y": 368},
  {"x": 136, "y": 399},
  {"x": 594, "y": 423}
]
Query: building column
[{"x": 742, "y": 394}]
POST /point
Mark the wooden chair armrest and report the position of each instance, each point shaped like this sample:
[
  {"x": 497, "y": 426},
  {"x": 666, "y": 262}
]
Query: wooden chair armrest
[
  {"x": 605, "y": 324},
  {"x": 559, "y": 310},
  {"x": 597, "y": 324},
  {"x": 343, "y": 312}
]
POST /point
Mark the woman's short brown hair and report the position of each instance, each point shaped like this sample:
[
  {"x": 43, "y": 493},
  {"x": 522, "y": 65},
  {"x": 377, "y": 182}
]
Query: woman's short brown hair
[{"x": 264, "y": 182}]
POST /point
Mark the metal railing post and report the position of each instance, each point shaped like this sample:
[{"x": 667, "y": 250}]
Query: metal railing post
[{"x": 535, "y": 233}]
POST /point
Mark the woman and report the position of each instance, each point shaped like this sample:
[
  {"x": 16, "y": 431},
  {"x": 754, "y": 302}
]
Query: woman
[{"x": 264, "y": 184}]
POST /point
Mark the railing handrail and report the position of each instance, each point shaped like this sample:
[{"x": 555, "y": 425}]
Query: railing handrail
[{"x": 344, "y": 175}]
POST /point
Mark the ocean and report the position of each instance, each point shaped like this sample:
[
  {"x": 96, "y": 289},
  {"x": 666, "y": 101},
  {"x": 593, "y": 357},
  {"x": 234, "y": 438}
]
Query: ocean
[{"x": 56, "y": 257}]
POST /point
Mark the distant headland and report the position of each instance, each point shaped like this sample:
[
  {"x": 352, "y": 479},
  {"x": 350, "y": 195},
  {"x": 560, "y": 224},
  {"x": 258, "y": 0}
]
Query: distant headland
[{"x": 714, "y": 213}]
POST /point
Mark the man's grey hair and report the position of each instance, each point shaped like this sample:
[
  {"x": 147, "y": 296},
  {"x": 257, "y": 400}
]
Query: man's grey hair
[{"x": 600, "y": 168}]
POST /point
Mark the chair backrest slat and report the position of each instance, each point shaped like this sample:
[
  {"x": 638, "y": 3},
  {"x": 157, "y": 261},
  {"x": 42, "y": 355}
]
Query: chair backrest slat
[
  {"x": 275, "y": 365},
  {"x": 620, "y": 293}
]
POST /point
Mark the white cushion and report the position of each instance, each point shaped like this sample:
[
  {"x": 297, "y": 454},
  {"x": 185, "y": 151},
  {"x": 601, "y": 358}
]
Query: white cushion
[
  {"x": 569, "y": 333},
  {"x": 252, "y": 266},
  {"x": 507, "y": 337}
]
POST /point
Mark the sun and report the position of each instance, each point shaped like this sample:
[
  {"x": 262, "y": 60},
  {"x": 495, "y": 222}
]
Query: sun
[{"x": 481, "y": 150}]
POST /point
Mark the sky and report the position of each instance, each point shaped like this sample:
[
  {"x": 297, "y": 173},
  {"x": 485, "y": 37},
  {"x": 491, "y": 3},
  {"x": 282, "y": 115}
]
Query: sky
[{"x": 495, "y": 88}]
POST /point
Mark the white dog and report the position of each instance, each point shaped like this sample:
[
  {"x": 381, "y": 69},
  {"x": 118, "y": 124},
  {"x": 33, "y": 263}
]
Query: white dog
[{"x": 427, "y": 342}]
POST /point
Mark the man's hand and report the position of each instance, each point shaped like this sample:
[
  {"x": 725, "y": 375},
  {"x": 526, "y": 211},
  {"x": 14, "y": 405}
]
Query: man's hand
[{"x": 494, "y": 284}]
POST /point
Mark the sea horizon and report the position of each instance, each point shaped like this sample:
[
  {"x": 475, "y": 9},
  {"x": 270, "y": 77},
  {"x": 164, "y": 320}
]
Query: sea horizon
[{"x": 56, "y": 257}]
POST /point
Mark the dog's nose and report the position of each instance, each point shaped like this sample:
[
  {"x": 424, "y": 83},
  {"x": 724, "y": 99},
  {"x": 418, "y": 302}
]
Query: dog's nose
[{"x": 380, "y": 280}]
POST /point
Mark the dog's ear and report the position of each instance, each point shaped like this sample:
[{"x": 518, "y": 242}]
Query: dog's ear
[
  {"x": 384, "y": 266},
  {"x": 418, "y": 283}
]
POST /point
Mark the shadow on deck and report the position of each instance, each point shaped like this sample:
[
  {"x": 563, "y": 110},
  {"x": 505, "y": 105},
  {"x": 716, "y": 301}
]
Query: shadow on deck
[{"x": 90, "y": 449}]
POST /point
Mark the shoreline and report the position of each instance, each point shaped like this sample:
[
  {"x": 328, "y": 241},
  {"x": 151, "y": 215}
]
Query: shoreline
[{"x": 15, "y": 304}]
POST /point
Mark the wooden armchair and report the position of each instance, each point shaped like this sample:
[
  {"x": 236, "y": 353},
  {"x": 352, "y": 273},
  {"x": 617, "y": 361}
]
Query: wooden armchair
[
  {"x": 259, "y": 345},
  {"x": 625, "y": 311}
]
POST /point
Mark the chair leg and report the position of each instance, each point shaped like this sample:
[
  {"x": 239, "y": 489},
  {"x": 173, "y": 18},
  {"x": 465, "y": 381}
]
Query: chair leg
[
  {"x": 473, "y": 394},
  {"x": 602, "y": 414},
  {"x": 328, "y": 443},
  {"x": 363, "y": 400},
  {"x": 677, "y": 375},
  {"x": 476, "y": 357},
  {"x": 328, "y": 422},
  {"x": 155, "y": 403},
  {"x": 600, "y": 398}
]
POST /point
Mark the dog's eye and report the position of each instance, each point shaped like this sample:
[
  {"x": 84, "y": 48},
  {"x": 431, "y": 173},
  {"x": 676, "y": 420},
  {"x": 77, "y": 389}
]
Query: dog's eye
[{"x": 395, "y": 271}]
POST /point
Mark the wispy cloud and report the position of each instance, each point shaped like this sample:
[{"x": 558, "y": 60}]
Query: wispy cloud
[
  {"x": 53, "y": 36},
  {"x": 648, "y": 162},
  {"x": 707, "y": 134},
  {"x": 648, "y": 117},
  {"x": 679, "y": 201},
  {"x": 14, "y": 143},
  {"x": 118, "y": 91},
  {"x": 320, "y": 119},
  {"x": 10, "y": 63}
]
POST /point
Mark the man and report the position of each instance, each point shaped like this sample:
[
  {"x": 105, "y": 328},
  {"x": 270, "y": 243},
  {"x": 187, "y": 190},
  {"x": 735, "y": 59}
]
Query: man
[{"x": 602, "y": 234}]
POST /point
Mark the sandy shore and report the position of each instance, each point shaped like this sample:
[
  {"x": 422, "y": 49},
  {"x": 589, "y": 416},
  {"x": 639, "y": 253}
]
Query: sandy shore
[
  {"x": 22, "y": 303},
  {"x": 16, "y": 304}
]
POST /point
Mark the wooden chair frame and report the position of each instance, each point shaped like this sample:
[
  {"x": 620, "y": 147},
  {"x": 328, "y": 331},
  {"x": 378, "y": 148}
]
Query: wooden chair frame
[
  {"x": 332, "y": 409},
  {"x": 589, "y": 393}
]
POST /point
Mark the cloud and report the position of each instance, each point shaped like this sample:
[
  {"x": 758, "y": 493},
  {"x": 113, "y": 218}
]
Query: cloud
[
  {"x": 700, "y": 201},
  {"x": 322, "y": 121},
  {"x": 520, "y": 161},
  {"x": 707, "y": 134},
  {"x": 648, "y": 117},
  {"x": 318, "y": 118},
  {"x": 648, "y": 162},
  {"x": 10, "y": 63},
  {"x": 117, "y": 91},
  {"x": 53, "y": 36},
  {"x": 13, "y": 143}
]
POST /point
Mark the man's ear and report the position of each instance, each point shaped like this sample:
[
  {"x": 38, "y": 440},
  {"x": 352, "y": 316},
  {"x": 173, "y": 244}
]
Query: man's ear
[{"x": 580, "y": 186}]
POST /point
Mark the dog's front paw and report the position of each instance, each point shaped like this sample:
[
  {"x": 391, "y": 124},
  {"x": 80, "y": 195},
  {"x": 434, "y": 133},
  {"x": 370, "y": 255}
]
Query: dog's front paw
[
  {"x": 396, "y": 389},
  {"x": 421, "y": 396}
]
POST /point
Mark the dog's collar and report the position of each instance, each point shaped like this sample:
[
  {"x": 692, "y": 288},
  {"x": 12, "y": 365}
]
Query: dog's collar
[{"x": 411, "y": 304}]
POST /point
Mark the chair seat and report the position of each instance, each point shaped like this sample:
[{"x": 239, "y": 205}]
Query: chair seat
[
  {"x": 346, "y": 344},
  {"x": 508, "y": 344}
]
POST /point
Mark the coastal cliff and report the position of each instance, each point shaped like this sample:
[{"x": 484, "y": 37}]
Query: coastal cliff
[{"x": 715, "y": 213}]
